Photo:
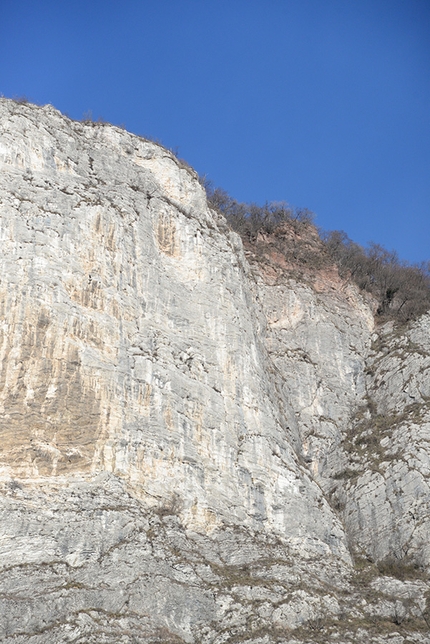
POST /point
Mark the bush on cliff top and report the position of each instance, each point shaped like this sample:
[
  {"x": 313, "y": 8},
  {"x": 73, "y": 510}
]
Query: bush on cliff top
[{"x": 402, "y": 290}]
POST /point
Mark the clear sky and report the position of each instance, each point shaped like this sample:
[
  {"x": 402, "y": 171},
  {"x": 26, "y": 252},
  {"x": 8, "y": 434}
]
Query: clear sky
[{"x": 321, "y": 103}]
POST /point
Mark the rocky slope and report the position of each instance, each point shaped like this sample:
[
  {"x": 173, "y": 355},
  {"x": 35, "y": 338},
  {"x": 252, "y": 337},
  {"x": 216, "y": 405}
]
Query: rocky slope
[{"x": 194, "y": 448}]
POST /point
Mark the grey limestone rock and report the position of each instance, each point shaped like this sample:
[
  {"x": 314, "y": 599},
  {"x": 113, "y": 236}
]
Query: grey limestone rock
[{"x": 183, "y": 453}]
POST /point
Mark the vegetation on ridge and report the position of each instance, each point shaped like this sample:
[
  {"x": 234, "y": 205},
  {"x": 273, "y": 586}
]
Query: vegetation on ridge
[{"x": 402, "y": 290}]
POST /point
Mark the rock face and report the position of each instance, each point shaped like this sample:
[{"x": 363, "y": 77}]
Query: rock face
[
  {"x": 387, "y": 500},
  {"x": 362, "y": 399},
  {"x": 192, "y": 450}
]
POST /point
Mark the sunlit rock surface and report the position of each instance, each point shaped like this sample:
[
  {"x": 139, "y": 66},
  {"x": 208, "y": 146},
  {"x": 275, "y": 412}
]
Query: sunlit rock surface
[
  {"x": 362, "y": 400},
  {"x": 183, "y": 440}
]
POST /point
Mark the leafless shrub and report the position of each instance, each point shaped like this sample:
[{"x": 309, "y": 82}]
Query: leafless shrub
[
  {"x": 401, "y": 289},
  {"x": 316, "y": 624},
  {"x": 249, "y": 219},
  {"x": 400, "y": 568},
  {"x": 14, "y": 485},
  {"x": 169, "y": 507},
  {"x": 21, "y": 100},
  {"x": 87, "y": 117}
]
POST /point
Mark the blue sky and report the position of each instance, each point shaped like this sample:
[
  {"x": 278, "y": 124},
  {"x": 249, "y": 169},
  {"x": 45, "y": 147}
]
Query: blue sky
[{"x": 321, "y": 103}]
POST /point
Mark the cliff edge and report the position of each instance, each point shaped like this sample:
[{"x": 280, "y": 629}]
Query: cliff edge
[{"x": 194, "y": 448}]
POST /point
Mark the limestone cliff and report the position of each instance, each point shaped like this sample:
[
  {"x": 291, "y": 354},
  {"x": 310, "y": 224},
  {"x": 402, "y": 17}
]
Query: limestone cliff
[{"x": 192, "y": 450}]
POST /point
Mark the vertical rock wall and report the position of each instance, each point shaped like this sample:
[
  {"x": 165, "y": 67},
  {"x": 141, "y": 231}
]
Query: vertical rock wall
[
  {"x": 131, "y": 342},
  {"x": 181, "y": 438},
  {"x": 361, "y": 398}
]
